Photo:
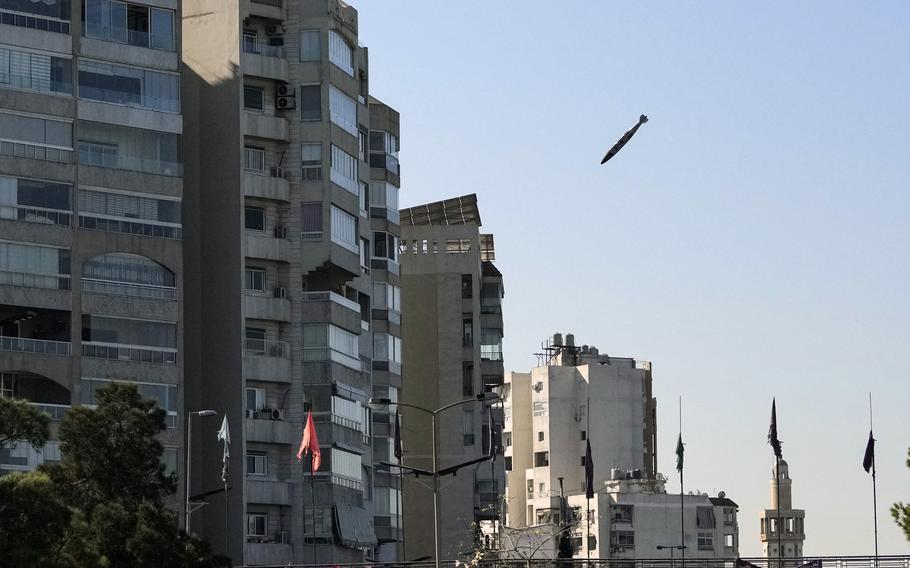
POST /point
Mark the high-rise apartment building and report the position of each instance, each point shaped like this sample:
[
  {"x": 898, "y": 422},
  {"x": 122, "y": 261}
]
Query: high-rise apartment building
[
  {"x": 452, "y": 297},
  {"x": 91, "y": 232},
  {"x": 292, "y": 277}
]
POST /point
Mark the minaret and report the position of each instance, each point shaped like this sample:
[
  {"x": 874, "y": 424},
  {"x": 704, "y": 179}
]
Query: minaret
[{"x": 792, "y": 520}]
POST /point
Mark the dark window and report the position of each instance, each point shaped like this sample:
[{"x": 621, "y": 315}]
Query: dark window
[
  {"x": 467, "y": 379},
  {"x": 541, "y": 459},
  {"x": 254, "y": 218},
  {"x": 508, "y": 463},
  {"x": 310, "y": 102},
  {"x": 582, "y": 461},
  {"x": 584, "y": 435},
  {"x": 312, "y": 217},
  {"x": 467, "y": 337},
  {"x": 45, "y": 194},
  {"x": 540, "y": 436},
  {"x": 467, "y": 286},
  {"x": 252, "y": 97}
]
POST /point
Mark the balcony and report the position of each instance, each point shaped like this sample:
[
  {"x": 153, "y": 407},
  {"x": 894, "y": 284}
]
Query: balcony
[
  {"x": 335, "y": 429},
  {"x": 265, "y": 246},
  {"x": 40, "y": 215},
  {"x": 266, "y": 9},
  {"x": 37, "y": 330},
  {"x": 266, "y": 187},
  {"x": 266, "y": 307},
  {"x": 267, "y": 492},
  {"x": 329, "y": 307},
  {"x": 265, "y": 126},
  {"x": 133, "y": 353},
  {"x": 265, "y": 360},
  {"x": 271, "y": 431},
  {"x": 260, "y": 59},
  {"x": 144, "y": 291},
  {"x": 267, "y": 554}
]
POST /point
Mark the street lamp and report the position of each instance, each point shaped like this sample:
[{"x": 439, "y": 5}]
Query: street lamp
[
  {"x": 386, "y": 402},
  {"x": 671, "y": 549},
  {"x": 189, "y": 444}
]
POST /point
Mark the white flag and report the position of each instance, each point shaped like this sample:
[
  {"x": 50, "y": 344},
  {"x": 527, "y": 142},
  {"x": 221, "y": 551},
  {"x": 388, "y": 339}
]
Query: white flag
[{"x": 225, "y": 434}]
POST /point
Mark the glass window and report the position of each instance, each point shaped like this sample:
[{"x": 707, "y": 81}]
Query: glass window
[
  {"x": 128, "y": 269},
  {"x": 129, "y": 86},
  {"x": 133, "y": 24},
  {"x": 254, "y": 159},
  {"x": 309, "y": 45},
  {"x": 128, "y": 148},
  {"x": 256, "y": 524},
  {"x": 162, "y": 34},
  {"x": 311, "y": 102},
  {"x": 343, "y": 110},
  {"x": 311, "y": 162},
  {"x": 255, "y": 399},
  {"x": 35, "y": 71},
  {"x": 34, "y": 266},
  {"x": 254, "y": 218},
  {"x": 344, "y": 229},
  {"x": 257, "y": 463},
  {"x": 491, "y": 344},
  {"x": 467, "y": 286},
  {"x": 346, "y": 464},
  {"x": 253, "y": 97},
  {"x": 468, "y": 426},
  {"x": 129, "y": 213},
  {"x": 254, "y": 279},
  {"x": 59, "y": 9},
  {"x": 467, "y": 379},
  {"x": 311, "y": 214},
  {"x": 101, "y": 329},
  {"x": 165, "y": 396},
  {"x": 37, "y": 138},
  {"x": 341, "y": 53},
  {"x": 344, "y": 170}
]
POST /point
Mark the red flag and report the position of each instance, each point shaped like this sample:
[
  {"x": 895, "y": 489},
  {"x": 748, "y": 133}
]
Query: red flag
[{"x": 310, "y": 443}]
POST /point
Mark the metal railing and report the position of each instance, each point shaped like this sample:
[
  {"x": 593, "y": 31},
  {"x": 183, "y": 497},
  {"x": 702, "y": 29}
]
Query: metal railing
[
  {"x": 112, "y": 288},
  {"x": 34, "y": 22},
  {"x": 164, "y": 42},
  {"x": 130, "y": 227},
  {"x": 43, "y": 346},
  {"x": 92, "y": 156},
  {"x": 35, "y": 280},
  {"x": 132, "y": 353},
  {"x": 35, "y": 151},
  {"x": 266, "y": 348},
  {"x": 36, "y": 214},
  {"x": 55, "y": 411},
  {"x": 252, "y": 45}
]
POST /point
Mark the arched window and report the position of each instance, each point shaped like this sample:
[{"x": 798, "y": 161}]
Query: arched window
[{"x": 125, "y": 274}]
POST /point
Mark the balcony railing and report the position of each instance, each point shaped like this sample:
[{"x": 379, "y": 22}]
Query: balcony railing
[
  {"x": 35, "y": 214},
  {"x": 55, "y": 411},
  {"x": 729, "y": 562},
  {"x": 43, "y": 346},
  {"x": 138, "y": 38},
  {"x": 331, "y": 297},
  {"x": 35, "y": 152},
  {"x": 134, "y": 353},
  {"x": 146, "y": 291},
  {"x": 96, "y": 156},
  {"x": 34, "y": 22},
  {"x": 35, "y": 280},
  {"x": 252, "y": 45},
  {"x": 131, "y": 227},
  {"x": 327, "y": 354},
  {"x": 267, "y": 348}
]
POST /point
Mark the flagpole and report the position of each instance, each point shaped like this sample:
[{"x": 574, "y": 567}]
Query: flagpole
[
  {"x": 313, "y": 500},
  {"x": 874, "y": 499},
  {"x": 780, "y": 549},
  {"x": 588, "y": 499},
  {"x": 682, "y": 510}
]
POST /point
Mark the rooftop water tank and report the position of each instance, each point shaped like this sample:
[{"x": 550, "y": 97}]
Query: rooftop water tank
[
  {"x": 557, "y": 339},
  {"x": 570, "y": 340}
]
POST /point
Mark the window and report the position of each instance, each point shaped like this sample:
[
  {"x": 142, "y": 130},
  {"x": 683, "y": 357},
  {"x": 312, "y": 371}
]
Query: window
[
  {"x": 490, "y": 298},
  {"x": 467, "y": 286},
  {"x": 584, "y": 435},
  {"x": 9, "y": 385},
  {"x": 130, "y": 86},
  {"x": 254, "y": 159},
  {"x": 341, "y": 53},
  {"x": 346, "y": 464},
  {"x": 343, "y": 110},
  {"x": 255, "y": 399},
  {"x": 34, "y": 266},
  {"x": 728, "y": 542},
  {"x": 59, "y": 10},
  {"x": 311, "y": 102},
  {"x": 385, "y": 246},
  {"x": 128, "y": 149},
  {"x": 253, "y": 97},
  {"x": 491, "y": 344},
  {"x": 468, "y": 426},
  {"x": 311, "y": 162},
  {"x": 622, "y": 540},
  {"x": 540, "y": 436},
  {"x": 254, "y": 218},
  {"x": 508, "y": 464},
  {"x": 386, "y": 347},
  {"x": 363, "y": 139},
  {"x": 129, "y": 332},
  {"x": 583, "y": 460},
  {"x": 704, "y": 517},
  {"x": 326, "y": 342},
  {"x": 37, "y": 138},
  {"x": 365, "y": 257},
  {"x": 134, "y": 214},
  {"x": 257, "y": 463},
  {"x": 348, "y": 413},
  {"x": 119, "y": 22},
  {"x": 254, "y": 279},
  {"x": 705, "y": 540},
  {"x": 621, "y": 513},
  {"x": 344, "y": 229},
  {"x": 386, "y": 296},
  {"x": 35, "y": 200},
  {"x": 729, "y": 515},
  {"x": 467, "y": 379},
  {"x": 344, "y": 170},
  {"x": 364, "y": 198},
  {"x": 539, "y": 407},
  {"x": 256, "y": 524},
  {"x": 541, "y": 459},
  {"x": 311, "y": 214},
  {"x": 123, "y": 274},
  {"x": 384, "y": 195},
  {"x": 309, "y": 45},
  {"x": 165, "y": 396},
  {"x": 255, "y": 340},
  {"x": 467, "y": 334},
  {"x": 35, "y": 71}
]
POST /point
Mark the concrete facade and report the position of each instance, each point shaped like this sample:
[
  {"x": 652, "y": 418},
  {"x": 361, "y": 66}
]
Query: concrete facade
[
  {"x": 292, "y": 188},
  {"x": 452, "y": 295},
  {"x": 91, "y": 188}
]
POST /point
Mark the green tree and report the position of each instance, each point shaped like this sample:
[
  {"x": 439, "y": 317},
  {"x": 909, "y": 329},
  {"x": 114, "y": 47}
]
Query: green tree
[
  {"x": 901, "y": 512},
  {"x": 32, "y": 519},
  {"x": 20, "y": 421}
]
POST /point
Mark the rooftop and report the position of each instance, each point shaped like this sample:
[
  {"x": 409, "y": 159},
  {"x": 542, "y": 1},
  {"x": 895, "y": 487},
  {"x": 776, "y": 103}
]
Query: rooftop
[{"x": 455, "y": 211}]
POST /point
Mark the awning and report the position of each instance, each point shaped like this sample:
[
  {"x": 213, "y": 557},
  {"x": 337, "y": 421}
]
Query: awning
[{"x": 355, "y": 525}]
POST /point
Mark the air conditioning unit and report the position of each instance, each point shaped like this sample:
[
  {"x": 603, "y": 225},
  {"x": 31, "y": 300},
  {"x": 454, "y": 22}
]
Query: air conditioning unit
[
  {"x": 286, "y": 103},
  {"x": 276, "y": 414},
  {"x": 281, "y": 292},
  {"x": 274, "y": 29},
  {"x": 284, "y": 90},
  {"x": 277, "y": 172},
  {"x": 281, "y": 232}
]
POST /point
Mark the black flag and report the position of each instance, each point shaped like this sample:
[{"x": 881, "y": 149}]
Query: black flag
[
  {"x": 869, "y": 457},
  {"x": 398, "y": 452},
  {"x": 625, "y": 138},
  {"x": 589, "y": 473},
  {"x": 772, "y": 432}
]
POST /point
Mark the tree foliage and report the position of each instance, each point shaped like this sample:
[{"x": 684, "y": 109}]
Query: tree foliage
[
  {"x": 104, "y": 503},
  {"x": 21, "y": 422},
  {"x": 901, "y": 512}
]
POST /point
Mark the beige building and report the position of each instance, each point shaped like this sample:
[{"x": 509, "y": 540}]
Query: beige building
[
  {"x": 294, "y": 276},
  {"x": 91, "y": 226},
  {"x": 452, "y": 295},
  {"x": 792, "y": 531}
]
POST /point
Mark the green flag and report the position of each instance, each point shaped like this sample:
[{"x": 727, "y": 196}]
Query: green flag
[{"x": 679, "y": 454}]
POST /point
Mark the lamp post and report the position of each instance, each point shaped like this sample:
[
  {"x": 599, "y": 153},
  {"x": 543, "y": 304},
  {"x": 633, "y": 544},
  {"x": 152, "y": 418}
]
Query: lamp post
[
  {"x": 671, "y": 549},
  {"x": 386, "y": 402},
  {"x": 189, "y": 444}
]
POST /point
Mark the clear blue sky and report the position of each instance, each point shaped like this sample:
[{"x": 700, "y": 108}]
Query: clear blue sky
[{"x": 751, "y": 240}]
